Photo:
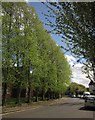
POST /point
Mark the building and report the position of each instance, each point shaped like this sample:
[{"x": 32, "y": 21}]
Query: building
[{"x": 92, "y": 87}]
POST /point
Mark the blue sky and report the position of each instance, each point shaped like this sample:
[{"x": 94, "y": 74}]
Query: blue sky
[
  {"x": 40, "y": 8},
  {"x": 77, "y": 74}
]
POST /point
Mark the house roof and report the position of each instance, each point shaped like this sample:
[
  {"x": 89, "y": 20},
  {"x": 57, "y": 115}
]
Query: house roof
[{"x": 92, "y": 83}]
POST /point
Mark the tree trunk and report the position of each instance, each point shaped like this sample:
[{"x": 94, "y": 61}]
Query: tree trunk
[
  {"x": 43, "y": 94},
  {"x": 4, "y": 94},
  {"x": 36, "y": 95},
  {"x": 18, "y": 95},
  {"x": 61, "y": 95},
  {"x": 53, "y": 95},
  {"x": 48, "y": 95},
  {"x": 26, "y": 94},
  {"x": 94, "y": 70},
  {"x": 29, "y": 95}
]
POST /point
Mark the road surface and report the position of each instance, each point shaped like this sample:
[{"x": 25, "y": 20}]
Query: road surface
[{"x": 63, "y": 108}]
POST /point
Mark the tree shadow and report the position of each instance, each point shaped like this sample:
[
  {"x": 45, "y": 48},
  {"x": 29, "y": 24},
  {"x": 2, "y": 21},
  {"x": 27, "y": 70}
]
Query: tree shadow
[{"x": 65, "y": 104}]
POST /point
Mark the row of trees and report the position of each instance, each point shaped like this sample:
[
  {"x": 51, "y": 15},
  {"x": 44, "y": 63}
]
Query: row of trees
[
  {"x": 76, "y": 89},
  {"x": 75, "y": 22},
  {"x": 31, "y": 60}
]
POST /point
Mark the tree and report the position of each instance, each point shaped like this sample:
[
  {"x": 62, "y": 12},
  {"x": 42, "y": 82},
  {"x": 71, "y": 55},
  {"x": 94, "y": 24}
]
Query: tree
[
  {"x": 28, "y": 48},
  {"x": 75, "y": 89},
  {"x": 19, "y": 44},
  {"x": 6, "y": 42},
  {"x": 75, "y": 22}
]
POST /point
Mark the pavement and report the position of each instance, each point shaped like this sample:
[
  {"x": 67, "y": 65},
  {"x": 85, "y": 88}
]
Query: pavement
[{"x": 6, "y": 110}]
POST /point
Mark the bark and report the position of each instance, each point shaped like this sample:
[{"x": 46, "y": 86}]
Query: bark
[
  {"x": 18, "y": 95},
  {"x": 29, "y": 84},
  {"x": 43, "y": 94},
  {"x": 48, "y": 93},
  {"x": 36, "y": 95},
  {"x": 4, "y": 94},
  {"x": 29, "y": 95},
  {"x": 94, "y": 70},
  {"x": 26, "y": 94}
]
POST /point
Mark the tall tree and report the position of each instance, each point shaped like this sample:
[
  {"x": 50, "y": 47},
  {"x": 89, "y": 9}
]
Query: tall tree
[
  {"x": 7, "y": 29},
  {"x": 31, "y": 59},
  {"x": 19, "y": 45}
]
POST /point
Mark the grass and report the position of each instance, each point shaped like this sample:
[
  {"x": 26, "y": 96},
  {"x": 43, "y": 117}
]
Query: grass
[{"x": 11, "y": 102}]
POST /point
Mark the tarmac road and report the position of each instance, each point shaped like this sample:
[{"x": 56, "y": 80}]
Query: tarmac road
[{"x": 62, "y": 108}]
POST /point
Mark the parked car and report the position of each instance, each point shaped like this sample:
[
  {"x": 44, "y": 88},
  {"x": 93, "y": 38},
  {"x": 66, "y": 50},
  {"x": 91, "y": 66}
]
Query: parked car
[
  {"x": 90, "y": 101},
  {"x": 86, "y": 94},
  {"x": 80, "y": 96},
  {"x": 73, "y": 96}
]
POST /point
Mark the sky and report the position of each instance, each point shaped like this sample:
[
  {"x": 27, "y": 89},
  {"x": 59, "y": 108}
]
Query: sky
[{"x": 77, "y": 75}]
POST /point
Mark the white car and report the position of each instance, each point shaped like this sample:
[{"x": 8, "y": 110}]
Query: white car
[
  {"x": 86, "y": 94},
  {"x": 90, "y": 101}
]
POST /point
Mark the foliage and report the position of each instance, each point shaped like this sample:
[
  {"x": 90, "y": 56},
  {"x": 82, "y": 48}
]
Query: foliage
[
  {"x": 75, "y": 22},
  {"x": 26, "y": 47},
  {"x": 75, "y": 88}
]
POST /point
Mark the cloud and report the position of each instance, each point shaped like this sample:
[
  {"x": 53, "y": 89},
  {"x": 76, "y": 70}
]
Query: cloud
[
  {"x": 77, "y": 75},
  {"x": 70, "y": 59},
  {"x": 27, "y": 0}
]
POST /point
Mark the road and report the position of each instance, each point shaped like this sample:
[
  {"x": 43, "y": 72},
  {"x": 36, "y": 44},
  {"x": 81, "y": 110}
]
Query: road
[{"x": 63, "y": 108}]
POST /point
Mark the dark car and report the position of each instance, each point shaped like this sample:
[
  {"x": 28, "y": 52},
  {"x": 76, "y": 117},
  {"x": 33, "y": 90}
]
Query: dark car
[{"x": 90, "y": 101}]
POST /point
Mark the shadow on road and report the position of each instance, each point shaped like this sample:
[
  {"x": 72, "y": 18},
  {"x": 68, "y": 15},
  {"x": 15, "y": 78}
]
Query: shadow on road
[
  {"x": 87, "y": 109},
  {"x": 66, "y": 104}
]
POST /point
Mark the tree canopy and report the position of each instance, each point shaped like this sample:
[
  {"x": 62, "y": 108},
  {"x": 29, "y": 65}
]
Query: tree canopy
[
  {"x": 75, "y": 89},
  {"x": 75, "y": 22},
  {"x": 30, "y": 58}
]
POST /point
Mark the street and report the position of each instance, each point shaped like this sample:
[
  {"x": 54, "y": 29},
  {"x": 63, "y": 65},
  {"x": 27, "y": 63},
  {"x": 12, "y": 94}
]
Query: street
[{"x": 62, "y": 108}]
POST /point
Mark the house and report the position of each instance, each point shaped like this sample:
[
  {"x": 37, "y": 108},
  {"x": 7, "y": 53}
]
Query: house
[{"x": 92, "y": 87}]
